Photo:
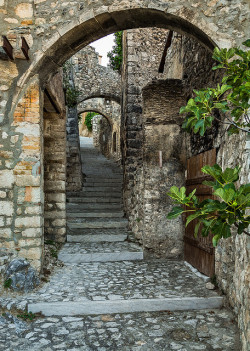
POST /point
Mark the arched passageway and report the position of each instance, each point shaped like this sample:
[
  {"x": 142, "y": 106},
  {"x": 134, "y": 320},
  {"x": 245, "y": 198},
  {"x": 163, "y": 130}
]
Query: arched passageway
[{"x": 51, "y": 43}]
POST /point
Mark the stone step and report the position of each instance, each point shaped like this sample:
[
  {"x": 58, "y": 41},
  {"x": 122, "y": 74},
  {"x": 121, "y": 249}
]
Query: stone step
[
  {"x": 95, "y": 214},
  {"x": 102, "y": 180},
  {"x": 94, "y": 206},
  {"x": 89, "y": 224},
  {"x": 94, "y": 200},
  {"x": 96, "y": 238},
  {"x": 93, "y": 193},
  {"x": 103, "y": 185},
  {"x": 100, "y": 252},
  {"x": 102, "y": 189},
  {"x": 76, "y": 308}
]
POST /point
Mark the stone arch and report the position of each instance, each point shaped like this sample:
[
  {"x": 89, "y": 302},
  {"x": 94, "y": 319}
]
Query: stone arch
[
  {"x": 91, "y": 78},
  {"x": 51, "y": 45},
  {"x": 97, "y": 111},
  {"x": 89, "y": 22},
  {"x": 98, "y": 94},
  {"x": 110, "y": 109}
]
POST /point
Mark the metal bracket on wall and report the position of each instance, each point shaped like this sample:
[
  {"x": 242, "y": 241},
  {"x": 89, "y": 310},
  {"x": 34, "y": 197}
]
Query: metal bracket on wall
[
  {"x": 167, "y": 45},
  {"x": 8, "y": 48},
  {"x": 25, "y": 48}
]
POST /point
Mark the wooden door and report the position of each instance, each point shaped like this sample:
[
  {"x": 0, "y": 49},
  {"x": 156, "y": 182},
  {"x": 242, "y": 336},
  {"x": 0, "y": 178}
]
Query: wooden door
[{"x": 199, "y": 252}]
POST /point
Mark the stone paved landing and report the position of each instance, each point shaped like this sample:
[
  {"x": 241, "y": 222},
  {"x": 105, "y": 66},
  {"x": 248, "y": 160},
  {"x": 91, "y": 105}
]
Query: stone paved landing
[
  {"x": 162, "y": 331},
  {"x": 100, "y": 252},
  {"x": 98, "y": 281}
]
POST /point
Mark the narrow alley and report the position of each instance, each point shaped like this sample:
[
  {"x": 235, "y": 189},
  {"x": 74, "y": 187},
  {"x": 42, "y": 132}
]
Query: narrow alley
[{"x": 106, "y": 297}]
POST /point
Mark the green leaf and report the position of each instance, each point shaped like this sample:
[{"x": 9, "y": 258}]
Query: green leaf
[
  {"x": 215, "y": 171},
  {"x": 226, "y": 195},
  {"x": 183, "y": 109},
  {"x": 216, "y": 239},
  {"x": 209, "y": 183},
  {"x": 176, "y": 211},
  {"x": 231, "y": 174},
  {"x": 247, "y": 43},
  {"x": 192, "y": 217},
  {"x": 199, "y": 125},
  {"x": 196, "y": 229},
  {"x": 177, "y": 194},
  {"x": 191, "y": 194},
  {"x": 219, "y": 106}
]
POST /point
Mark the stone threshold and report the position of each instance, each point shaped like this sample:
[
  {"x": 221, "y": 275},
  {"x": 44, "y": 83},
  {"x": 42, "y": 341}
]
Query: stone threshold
[
  {"x": 100, "y": 257},
  {"x": 79, "y": 308},
  {"x": 95, "y": 238}
]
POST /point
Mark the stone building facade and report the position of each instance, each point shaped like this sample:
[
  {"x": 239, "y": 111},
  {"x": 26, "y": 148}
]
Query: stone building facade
[
  {"x": 54, "y": 31},
  {"x": 152, "y": 122}
]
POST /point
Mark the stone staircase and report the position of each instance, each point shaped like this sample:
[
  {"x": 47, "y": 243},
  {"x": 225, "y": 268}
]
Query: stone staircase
[
  {"x": 95, "y": 216},
  {"x": 103, "y": 272}
]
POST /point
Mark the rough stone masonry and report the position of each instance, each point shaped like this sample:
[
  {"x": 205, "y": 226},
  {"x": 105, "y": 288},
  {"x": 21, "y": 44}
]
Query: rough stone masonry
[{"x": 56, "y": 30}]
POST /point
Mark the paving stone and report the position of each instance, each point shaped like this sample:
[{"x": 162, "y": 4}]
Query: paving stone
[{"x": 172, "y": 333}]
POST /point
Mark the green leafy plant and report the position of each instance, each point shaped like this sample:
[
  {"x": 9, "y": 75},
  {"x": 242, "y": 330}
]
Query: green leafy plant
[
  {"x": 54, "y": 253},
  {"x": 215, "y": 216},
  {"x": 116, "y": 54},
  {"x": 50, "y": 242},
  {"x": 71, "y": 93},
  {"x": 88, "y": 120},
  {"x": 27, "y": 316},
  {"x": 231, "y": 97},
  {"x": 7, "y": 283}
]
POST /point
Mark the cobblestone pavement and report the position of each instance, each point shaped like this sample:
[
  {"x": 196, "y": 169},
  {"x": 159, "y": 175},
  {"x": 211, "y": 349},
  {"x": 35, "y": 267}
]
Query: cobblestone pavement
[
  {"x": 97, "y": 281},
  {"x": 182, "y": 331}
]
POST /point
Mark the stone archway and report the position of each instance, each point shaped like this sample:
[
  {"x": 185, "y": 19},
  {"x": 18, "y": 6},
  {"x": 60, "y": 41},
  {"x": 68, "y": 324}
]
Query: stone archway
[
  {"x": 52, "y": 44},
  {"x": 48, "y": 52},
  {"x": 56, "y": 36}
]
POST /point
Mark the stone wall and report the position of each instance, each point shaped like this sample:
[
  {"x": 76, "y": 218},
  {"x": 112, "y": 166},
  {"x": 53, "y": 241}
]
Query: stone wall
[
  {"x": 162, "y": 133},
  {"x": 55, "y": 161},
  {"x": 74, "y": 166},
  {"x": 147, "y": 183},
  {"x": 141, "y": 59},
  {"x": 92, "y": 79},
  {"x": 21, "y": 178},
  {"x": 55, "y": 31},
  {"x": 232, "y": 261}
]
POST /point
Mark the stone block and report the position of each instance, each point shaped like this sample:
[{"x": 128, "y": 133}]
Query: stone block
[
  {"x": 27, "y": 180},
  {"x": 2, "y": 221},
  {"x": 35, "y": 210},
  {"x": 6, "y": 178},
  {"x": 5, "y": 233},
  {"x": 29, "y": 222},
  {"x": 29, "y": 242},
  {"x": 6, "y": 208},
  {"x": 32, "y": 233},
  {"x": 59, "y": 222},
  {"x": 32, "y": 253},
  {"x": 3, "y": 194}
]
